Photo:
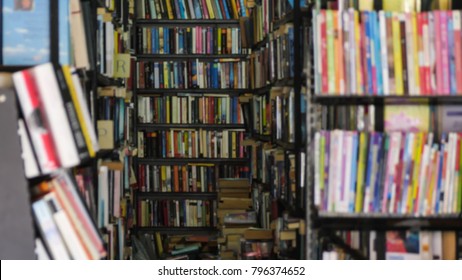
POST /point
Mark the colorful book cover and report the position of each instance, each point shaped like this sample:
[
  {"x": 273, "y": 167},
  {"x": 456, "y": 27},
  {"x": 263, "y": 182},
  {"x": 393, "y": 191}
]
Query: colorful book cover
[
  {"x": 402, "y": 245},
  {"x": 26, "y": 32},
  {"x": 451, "y": 55},
  {"x": 444, "y": 55},
  {"x": 407, "y": 118}
]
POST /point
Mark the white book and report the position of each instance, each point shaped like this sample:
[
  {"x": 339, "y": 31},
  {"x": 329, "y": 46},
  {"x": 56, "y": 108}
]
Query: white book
[
  {"x": 40, "y": 250},
  {"x": 49, "y": 231},
  {"x": 68, "y": 233},
  {"x": 103, "y": 197},
  {"x": 339, "y": 176},
  {"x": 317, "y": 181},
  {"x": 78, "y": 37},
  {"x": 52, "y": 101},
  {"x": 30, "y": 164},
  {"x": 410, "y": 54},
  {"x": 384, "y": 52},
  {"x": 347, "y": 177}
]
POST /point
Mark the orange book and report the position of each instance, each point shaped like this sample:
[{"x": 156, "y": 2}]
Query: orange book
[{"x": 176, "y": 180}]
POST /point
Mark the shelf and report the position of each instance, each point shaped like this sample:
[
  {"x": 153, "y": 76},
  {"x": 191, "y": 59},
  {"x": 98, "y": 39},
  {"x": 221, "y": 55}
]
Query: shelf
[
  {"x": 261, "y": 137},
  {"x": 262, "y": 90},
  {"x": 378, "y": 221},
  {"x": 386, "y": 100},
  {"x": 194, "y": 90},
  {"x": 285, "y": 145},
  {"x": 163, "y": 126},
  {"x": 14, "y": 68},
  {"x": 293, "y": 211},
  {"x": 177, "y": 195},
  {"x": 288, "y": 17},
  {"x": 177, "y": 230},
  {"x": 189, "y": 22},
  {"x": 105, "y": 81},
  {"x": 179, "y": 161},
  {"x": 163, "y": 57},
  {"x": 260, "y": 44}
]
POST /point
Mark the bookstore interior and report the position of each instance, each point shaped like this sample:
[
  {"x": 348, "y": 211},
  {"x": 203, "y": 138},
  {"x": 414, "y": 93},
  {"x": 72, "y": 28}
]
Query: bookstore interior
[{"x": 231, "y": 129}]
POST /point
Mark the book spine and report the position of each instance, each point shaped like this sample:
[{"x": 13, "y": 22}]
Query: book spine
[{"x": 458, "y": 49}]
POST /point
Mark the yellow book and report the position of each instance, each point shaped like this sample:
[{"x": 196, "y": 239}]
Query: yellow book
[
  {"x": 166, "y": 74},
  {"x": 330, "y": 51},
  {"x": 418, "y": 148},
  {"x": 170, "y": 10},
  {"x": 218, "y": 40},
  {"x": 360, "y": 174},
  {"x": 210, "y": 9},
  {"x": 415, "y": 40},
  {"x": 359, "y": 78},
  {"x": 236, "y": 14},
  {"x": 159, "y": 245},
  {"x": 79, "y": 111},
  {"x": 397, "y": 54},
  {"x": 163, "y": 178},
  {"x": 148, "y": 39}
]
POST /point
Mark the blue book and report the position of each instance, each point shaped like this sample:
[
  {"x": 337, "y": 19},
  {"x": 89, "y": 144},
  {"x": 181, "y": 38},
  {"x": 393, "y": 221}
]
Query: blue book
[
  {"x": 182, "y": 9},
  {"x": 231, "y": 77},
  {"x": 291, "y": 52},
  {"x": 64, "y": 33},
  {"x": 377, "y": 53},
  {"x": 354, "y": 166},
  {"x": 370, "y": 158},
  {"x": 180, "y": 42},
  {"x": 219, "y": 14},
  {"x": 367, "y": 24},
  {"x": 227, "y": 13},
  {"x": 26, "y": 32},
  {"x": 452, "y": 57},
  {"x": 166, "y": 40},
  {"x": 244, "y": 10},
  {"x": 154, "y": 40},
  {"x": 197, "y": 9},
  {"x": 378, "y": 178}
]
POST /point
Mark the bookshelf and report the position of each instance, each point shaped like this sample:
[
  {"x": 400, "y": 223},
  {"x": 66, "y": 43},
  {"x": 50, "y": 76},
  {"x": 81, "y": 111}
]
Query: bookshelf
[
  {"x": 68, "y": 194},
  {"x": 329, "y": 223},
  {"x": 191, "y": 70},
  {"x": 276, "y": 117}
]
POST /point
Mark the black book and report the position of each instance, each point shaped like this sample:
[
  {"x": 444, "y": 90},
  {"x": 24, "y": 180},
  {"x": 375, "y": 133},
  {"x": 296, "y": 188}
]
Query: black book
[{"x": 69, "y": 105}]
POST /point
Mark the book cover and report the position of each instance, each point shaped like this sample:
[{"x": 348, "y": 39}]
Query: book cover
[
  {"x": 26, "y": 32},
  {"x": 407, "y": 118},
  {"x": 402, "y": 245}
]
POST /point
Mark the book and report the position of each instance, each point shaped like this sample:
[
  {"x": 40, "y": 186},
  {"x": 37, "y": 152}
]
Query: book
[{"x": 26, "y": 32}]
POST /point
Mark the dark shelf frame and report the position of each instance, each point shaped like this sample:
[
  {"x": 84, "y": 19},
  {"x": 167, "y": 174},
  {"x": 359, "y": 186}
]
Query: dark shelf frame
[
  {"x": 386, "y": 100},
  {"x": 174, "y": 91},
  {"x": 187, "y": 22},
  {"x": 164, "y": 126},
  {"x": 177, "y": 195},
  {"x": 382, "y": 222},
  {"x": 182, "y": 57},
  {"x": 184, "y": 161},
  {"x": 177, "y": 230}
]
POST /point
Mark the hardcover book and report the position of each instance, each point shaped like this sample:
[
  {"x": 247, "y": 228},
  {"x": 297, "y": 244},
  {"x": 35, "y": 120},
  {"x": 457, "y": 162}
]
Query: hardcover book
[{"x": 26, "y": 32}]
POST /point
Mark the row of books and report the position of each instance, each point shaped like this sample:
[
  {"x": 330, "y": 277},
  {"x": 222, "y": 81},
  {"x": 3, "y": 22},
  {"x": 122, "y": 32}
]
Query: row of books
[
  {"x": 275, "y": 167},
  {"x": 56, "y": 118},
  {"x": 31, "y": 46},
  {"x": 351, "y": 117},
  {"x": 398, "y": 245},
  {"x": 176, "y": 213},
  {"x": 275, "y": 61},
  {"x": 189, "y": 40},
  {"x": 396, "y": 172},
  {"x": 66, "y": 229},
  {"x": 110, "y": 192},
  {"x": 190, "y": 109},
  {"x": 191, "y": 9},
  {"x": 192, "y": 74},
  {"x": 387, "y": 53},
  {"x": 113, "y": 106},
  {"x": 176, "y": 178},
  {"x": 179, "y": 143}
]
